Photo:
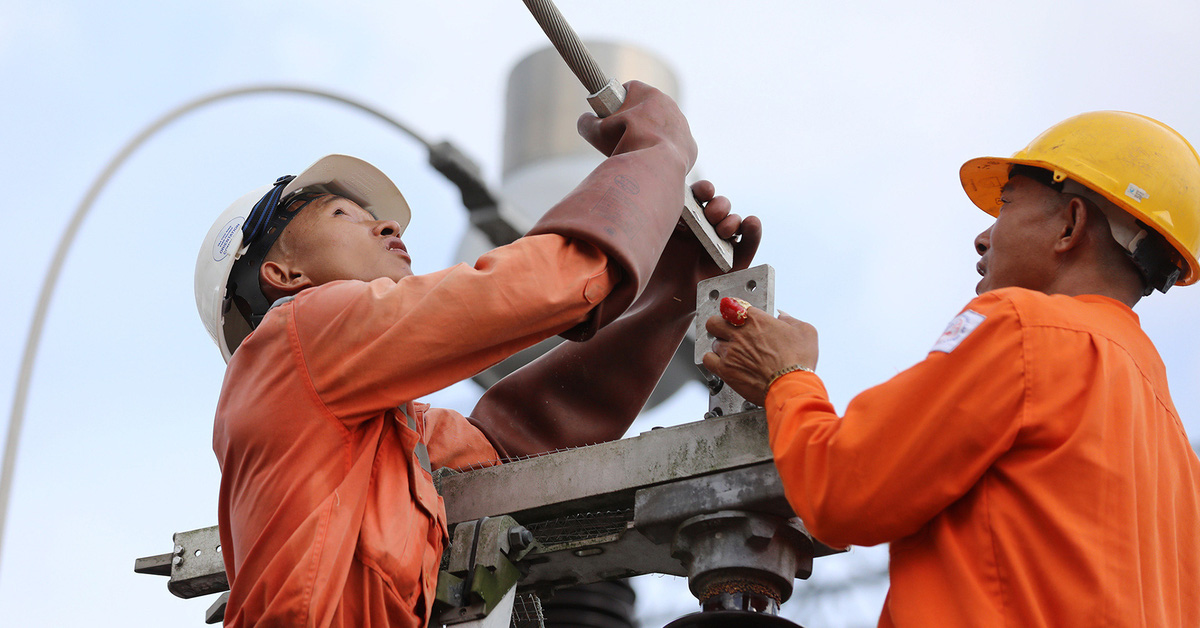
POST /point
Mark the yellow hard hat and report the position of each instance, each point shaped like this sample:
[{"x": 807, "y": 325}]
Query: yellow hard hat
[{"x": 1143, "y": 166}]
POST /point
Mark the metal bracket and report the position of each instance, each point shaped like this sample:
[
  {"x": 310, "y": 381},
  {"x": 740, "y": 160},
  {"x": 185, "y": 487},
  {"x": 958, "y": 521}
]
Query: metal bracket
[
  {"x": 595, "y": 513},
  {"x": 194, "y": 565},
  {"x": 480, "y": 569},
  {"x": 608, "y": 100},
  {"x": 753, "y": 285}
]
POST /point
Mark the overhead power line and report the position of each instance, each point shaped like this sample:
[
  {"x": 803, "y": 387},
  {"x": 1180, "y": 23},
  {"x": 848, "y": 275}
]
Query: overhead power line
[{"x": 33, "y": 339}]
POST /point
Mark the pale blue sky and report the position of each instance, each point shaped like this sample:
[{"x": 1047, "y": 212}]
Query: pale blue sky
[{"x": 841, "y": 124}]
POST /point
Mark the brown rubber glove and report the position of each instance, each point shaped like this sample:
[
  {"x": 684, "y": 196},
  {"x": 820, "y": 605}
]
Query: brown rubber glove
[
  {"x": 684, "y": 262},
  {"x": 629, "y": 205},
  {"x": 588, "y": 392}
]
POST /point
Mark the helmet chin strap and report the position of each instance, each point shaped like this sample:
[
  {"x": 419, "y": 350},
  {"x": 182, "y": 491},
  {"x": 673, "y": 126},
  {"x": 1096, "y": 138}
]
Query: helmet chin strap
[{"x": 1147, "y": 250}]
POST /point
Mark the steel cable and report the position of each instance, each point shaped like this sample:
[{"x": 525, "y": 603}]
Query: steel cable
[{"x": 568, "y": 44}]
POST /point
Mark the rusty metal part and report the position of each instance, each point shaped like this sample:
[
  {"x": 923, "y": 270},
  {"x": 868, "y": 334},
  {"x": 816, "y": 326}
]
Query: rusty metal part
[
  {"x": 726, "y": 547},
  {"x": 732, "y": 619}
]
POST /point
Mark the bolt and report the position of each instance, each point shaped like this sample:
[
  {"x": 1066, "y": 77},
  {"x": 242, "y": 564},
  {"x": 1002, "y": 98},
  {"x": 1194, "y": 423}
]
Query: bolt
[{"x": 519, "y": 538}]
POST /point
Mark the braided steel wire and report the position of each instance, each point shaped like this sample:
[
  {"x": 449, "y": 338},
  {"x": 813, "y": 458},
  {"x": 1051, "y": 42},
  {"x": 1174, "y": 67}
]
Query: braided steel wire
[{"x": 568, "y": 44}]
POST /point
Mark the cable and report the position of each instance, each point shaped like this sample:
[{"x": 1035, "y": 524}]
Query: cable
[
  {"x": 33, "y": 340},
  {"x": 568, "y": 44}
]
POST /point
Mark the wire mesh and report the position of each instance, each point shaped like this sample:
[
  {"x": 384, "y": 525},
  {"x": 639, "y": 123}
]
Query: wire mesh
[
  {"x": 527, "y": 611},
  {"x": 581, "y": 526}
]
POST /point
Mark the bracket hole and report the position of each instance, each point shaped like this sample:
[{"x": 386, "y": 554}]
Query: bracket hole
[{"x": 751, "y": 285}]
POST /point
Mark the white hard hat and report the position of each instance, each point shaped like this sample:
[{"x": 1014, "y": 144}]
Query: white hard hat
[{"x": 345, "y": 176}]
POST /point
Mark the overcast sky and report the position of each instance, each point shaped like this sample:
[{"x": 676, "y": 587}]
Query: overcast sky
[{"x": 842, "y": 125}]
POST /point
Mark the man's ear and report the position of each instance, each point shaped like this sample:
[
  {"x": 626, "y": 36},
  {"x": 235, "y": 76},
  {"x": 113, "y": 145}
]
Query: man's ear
[
  {"x": 280, "y": 279},
  {"x": 1075, "y": 225}
]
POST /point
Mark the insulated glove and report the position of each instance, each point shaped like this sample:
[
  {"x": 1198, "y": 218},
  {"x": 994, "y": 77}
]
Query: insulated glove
[
  {"x": 590, "y": 392},
  {"x": 629, "y": 205}
]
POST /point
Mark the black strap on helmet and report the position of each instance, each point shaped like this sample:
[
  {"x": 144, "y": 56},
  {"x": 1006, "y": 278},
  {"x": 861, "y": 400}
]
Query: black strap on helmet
[
  {"x": 264, "y": 210},
  {"x": 270, "y": 215},
  {"x": 1155, "y": 259}
]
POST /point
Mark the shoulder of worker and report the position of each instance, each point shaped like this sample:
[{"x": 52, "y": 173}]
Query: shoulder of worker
[
  {"x": 1031, "y": 307},
  {"x": 1020, "y": 308},
  {"x": 995, "y": 311},
  {"x": 1088, "y": 312}
]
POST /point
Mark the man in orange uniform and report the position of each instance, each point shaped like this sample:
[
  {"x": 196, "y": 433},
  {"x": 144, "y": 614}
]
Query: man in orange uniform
[
  {"x": 1032, "y": 470},
  {"x": 328, "y": 515}
]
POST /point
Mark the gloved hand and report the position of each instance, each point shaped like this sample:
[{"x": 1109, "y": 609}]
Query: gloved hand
[
  {"x": 589, "y": 392},
  {"x": 684, "y": 262},
  {"x": 629, "y": 205},
  {"x": 647, "y": 119}
]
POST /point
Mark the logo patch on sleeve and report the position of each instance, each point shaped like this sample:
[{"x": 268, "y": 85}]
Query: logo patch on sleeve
[{"x": 957, "y": 331}]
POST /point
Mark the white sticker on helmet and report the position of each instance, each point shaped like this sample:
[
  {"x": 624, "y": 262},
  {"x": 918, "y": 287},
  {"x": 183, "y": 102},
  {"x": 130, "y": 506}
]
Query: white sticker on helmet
[
  {"x": 221, "y": 247},
  {"x": 957, "y": 331},
  {"x": 1136, "y": 193}
]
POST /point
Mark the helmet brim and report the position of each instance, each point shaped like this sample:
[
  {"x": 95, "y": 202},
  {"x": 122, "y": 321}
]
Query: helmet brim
[
  {"x": 358, "y": 181},
  {"x": 984, "y": 178}
]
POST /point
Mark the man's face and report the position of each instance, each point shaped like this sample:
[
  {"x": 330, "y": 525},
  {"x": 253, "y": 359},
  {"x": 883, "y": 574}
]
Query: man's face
[
  {"x": 333, "y": 238},
  {"x": 1018, "y": 249}
]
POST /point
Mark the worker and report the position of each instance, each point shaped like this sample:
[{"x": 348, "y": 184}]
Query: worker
[
  {"x": 327, "y": 510},
  {"x": 1032, "y": 470}
]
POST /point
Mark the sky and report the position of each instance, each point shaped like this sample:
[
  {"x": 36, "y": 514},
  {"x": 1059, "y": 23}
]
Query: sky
[{"x": 841, "y": 125}]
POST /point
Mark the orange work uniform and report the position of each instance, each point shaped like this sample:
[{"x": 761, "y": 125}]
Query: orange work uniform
[
  {"x": 327, "y": 516},
  {"x": 1031, "y": 471}
]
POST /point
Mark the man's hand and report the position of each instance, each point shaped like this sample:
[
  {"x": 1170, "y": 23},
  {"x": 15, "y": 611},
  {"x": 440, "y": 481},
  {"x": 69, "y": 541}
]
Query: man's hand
[
  {"x": 718, "y": 211},
  {"x": 684, "y": 262},
  {"x": 746, "y": 357},
  {"x": 648, "y": 118}
]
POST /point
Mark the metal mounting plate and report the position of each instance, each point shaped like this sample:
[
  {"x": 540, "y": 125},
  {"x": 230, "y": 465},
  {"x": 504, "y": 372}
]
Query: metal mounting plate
[{"x": 753, "y": 285}]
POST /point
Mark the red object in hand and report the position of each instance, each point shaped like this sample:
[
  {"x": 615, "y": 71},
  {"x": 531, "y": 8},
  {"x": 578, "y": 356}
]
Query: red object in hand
[{"x": 735, "y": 311}]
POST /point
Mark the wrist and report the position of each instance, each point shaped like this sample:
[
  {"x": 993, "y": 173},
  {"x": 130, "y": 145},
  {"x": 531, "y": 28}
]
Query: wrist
[{"x": 784, "y": 371}]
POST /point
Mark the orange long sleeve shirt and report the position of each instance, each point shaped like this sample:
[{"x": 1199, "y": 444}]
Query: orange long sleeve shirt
[
  {"x": 1031, "y": 471},
  {"x": 327, "y": 516}
]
